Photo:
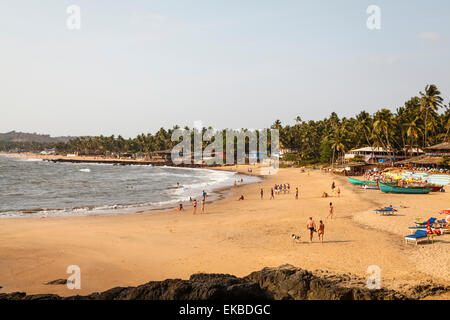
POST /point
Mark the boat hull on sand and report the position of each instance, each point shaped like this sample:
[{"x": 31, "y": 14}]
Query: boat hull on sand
[
  {"x": 368, "y": 183},
  {"x": 390, "y": 189}
]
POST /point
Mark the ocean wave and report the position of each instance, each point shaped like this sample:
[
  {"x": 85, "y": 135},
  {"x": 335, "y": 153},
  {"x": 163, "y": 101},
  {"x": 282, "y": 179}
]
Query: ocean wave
[
  {"x": 29, "y": 159},
  {"x": 66, "y": 193}
]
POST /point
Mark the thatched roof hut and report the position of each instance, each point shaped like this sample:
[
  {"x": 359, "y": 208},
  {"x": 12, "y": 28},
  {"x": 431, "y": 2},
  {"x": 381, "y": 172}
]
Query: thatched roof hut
[{"x": 442, "y": 149}]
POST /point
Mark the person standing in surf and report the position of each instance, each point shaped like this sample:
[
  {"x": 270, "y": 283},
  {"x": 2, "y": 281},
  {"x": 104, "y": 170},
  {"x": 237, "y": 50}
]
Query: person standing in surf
[
  {"x": 203, "y": 205},
  {"x": 194, "y": 204}
]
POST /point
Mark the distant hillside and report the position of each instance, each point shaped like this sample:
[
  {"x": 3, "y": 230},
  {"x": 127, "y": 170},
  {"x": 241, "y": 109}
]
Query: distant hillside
[{"x": 14, "y": 136}]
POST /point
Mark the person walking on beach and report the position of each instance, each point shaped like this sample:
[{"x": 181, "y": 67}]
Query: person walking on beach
[
  {"x": 271, "y": 194},
  {"x": 203, "y": 205},
  {"x": 289, "y": 188},
  {"x": 339, "y": 192},
  {"x": 262, "y": 193},
  {"x": 331, "y": 211},
  {"x": 204, "y": 194},
  {"x": 321, "y": 231},
  {"x": 311, "y": 226},
  {"x": 194, "y": 204},
  {"x": 333, "y": 186},
  {"x": 296, "y": 193}
]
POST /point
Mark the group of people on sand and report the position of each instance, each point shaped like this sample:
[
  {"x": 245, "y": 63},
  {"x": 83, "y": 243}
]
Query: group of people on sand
[
  {"x": 334, "y": 190},
  {"x": 311, "y": 226},
  {"x": 278, "y": 188},
  {"x": 195, "y": 203}
]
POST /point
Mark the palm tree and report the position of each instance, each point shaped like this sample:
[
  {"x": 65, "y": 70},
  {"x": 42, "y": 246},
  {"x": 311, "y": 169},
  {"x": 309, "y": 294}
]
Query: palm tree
[
  {"x": 365, "y": 124},
  {"x": 338, "y": 140},
  {"x": 430, "y": 102},
  {"x": 412, "y": 130},
  {"x": 382, "y": 125},
  {"x": 446, "y": 122}
]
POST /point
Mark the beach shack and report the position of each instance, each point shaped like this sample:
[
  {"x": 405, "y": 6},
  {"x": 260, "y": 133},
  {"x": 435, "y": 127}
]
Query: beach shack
[
  {"x": 436, "y": 157},
  {"x": 381, "y": 155}
]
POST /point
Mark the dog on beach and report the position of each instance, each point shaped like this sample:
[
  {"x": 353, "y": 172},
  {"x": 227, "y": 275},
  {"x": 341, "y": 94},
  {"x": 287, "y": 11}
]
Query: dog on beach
[{"x": 296, "y": 238}]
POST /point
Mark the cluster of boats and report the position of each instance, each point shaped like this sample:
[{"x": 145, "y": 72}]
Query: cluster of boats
[{"x": 393, "y": 187}]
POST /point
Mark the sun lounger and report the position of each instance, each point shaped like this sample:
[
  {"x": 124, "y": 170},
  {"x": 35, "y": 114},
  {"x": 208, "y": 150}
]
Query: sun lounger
[
  {"x": 386, "y": 211},
  {"x": 431, "y": 221},
  {"x": 445, "y": 230},
  {"x": 417, "y": 236},
  {"x": 434, "y": 229}
]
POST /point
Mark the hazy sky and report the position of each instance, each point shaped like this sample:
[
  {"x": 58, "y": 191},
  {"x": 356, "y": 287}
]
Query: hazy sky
[{"x": 137, "y": 65}]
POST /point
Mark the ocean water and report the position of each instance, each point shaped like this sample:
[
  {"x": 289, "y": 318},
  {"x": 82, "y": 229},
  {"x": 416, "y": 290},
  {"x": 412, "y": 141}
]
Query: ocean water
[{"x": 36, "y": 188}]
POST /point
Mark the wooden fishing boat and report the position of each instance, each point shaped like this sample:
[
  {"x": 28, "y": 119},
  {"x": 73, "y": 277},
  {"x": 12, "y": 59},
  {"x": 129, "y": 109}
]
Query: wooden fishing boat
[
  {"x": 433, "y": 187},
  {"x": 361, "y": 182},
  {"x": 368, "y": 183},
  {"x": 391, "y": 189},
  {"x": 367, "y": 187}
]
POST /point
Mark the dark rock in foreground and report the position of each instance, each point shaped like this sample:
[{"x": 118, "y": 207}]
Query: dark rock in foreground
[
  {"x": 57, "y": 282},
  {"x": 282, "y": 283}
]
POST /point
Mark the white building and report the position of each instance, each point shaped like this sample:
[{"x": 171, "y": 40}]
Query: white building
[{"x": 378, "y": 154}]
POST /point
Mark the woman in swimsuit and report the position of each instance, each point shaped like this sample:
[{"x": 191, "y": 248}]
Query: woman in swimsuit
[
  {"x": 331, "y": 211},
  {"x": 321, "y": 230},
  {"x": 194, "y": 203}
]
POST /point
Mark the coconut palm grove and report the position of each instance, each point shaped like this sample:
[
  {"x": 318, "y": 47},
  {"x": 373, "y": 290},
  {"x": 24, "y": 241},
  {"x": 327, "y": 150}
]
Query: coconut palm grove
[{"x": 422, "y": 121}]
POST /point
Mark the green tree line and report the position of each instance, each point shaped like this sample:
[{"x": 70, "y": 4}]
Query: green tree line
[{"x": 422, "y": 121}]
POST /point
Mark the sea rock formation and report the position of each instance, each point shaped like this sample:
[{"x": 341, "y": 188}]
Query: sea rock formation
[{"x": 282, "y": 283}]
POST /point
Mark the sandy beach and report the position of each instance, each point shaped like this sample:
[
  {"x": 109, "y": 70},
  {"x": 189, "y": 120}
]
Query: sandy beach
[{"x": 235, "y": 237}]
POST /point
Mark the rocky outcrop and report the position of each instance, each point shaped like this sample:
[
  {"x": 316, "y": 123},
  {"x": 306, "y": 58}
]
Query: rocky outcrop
[
  {"x": 57, "y": 282},
  {"x": 287, "y": 283},
  {"x": 282, "y": 283}
]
